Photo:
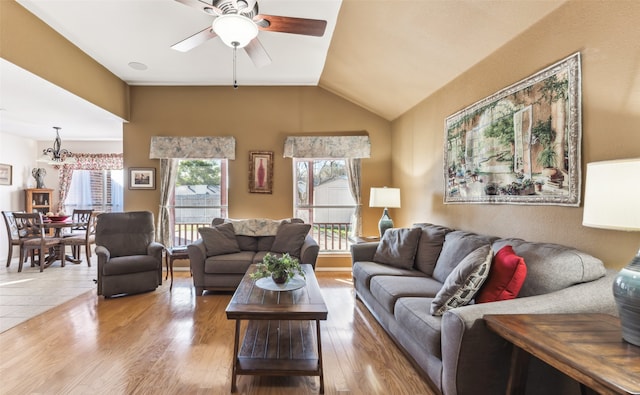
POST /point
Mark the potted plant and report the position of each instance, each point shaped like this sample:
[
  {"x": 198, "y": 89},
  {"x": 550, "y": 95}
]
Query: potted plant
[{"x": 281, "y": 269}]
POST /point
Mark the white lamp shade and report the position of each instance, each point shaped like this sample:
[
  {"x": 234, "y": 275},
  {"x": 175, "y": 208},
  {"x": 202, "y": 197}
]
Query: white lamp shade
[
  {"x": 385, "y": 197},
  {"x": 234, "y": 28},
  {"x": 612, "y": 195}
]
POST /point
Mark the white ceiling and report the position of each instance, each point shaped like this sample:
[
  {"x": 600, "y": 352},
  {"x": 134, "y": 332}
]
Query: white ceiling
[{"x": 386, "y": 55}]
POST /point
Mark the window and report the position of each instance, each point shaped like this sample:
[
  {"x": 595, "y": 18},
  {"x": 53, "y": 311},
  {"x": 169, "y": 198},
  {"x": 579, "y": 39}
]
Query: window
[
  {"x": 200, "y": 194},
  {"x": 322, "y": 197},
  {"x": 100, "y": 190}
]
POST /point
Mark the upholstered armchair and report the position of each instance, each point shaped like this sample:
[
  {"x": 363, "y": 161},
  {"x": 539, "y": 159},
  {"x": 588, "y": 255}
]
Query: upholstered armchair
[{"x": 129, "y": 260}]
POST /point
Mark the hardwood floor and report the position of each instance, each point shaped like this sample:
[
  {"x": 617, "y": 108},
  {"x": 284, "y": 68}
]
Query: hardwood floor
[{"x": 176, "y": 343}]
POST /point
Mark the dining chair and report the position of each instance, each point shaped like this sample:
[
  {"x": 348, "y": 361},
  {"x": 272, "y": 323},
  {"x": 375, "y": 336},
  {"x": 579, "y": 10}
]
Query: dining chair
[
  {"x": 86, "y": 239},
  {"x": 80, "y": 217},
  {"x": 12, "y": 235},
  {"x": 32, "y": 233}
]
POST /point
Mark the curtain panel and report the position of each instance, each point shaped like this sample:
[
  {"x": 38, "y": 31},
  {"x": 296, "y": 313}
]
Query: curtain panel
[
  {"x": 344, "y": 147},
  {"x": 206, "y": 147},
  {"x": 85, "y": 162}
]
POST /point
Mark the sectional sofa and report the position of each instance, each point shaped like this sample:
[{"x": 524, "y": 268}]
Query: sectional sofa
[
  {"x": 399, "y": 280},
  {"x": 221, "y": 256}
]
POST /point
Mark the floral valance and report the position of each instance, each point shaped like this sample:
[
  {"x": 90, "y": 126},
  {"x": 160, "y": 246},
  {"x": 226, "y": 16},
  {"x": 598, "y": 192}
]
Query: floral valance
[
  {"x": 327, "y": 147},
  {"x": 206, "y": 147},
  {"x": 96, "y": 162}
]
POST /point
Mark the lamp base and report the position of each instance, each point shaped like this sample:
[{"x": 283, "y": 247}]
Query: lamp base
[
  {"x": 385, "y": 222},
  {"x": 626, "y": 291}
]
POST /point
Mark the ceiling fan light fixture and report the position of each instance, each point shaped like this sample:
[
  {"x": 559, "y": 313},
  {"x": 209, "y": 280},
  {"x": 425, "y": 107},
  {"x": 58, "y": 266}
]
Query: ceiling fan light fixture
[{"x": 235, "y": 30}]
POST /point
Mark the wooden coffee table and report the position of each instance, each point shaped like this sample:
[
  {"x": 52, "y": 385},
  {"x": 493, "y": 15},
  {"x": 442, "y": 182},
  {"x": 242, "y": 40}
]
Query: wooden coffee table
[
  {"x": 586, "y": 347},
  {"x": 280, "y": 339}
]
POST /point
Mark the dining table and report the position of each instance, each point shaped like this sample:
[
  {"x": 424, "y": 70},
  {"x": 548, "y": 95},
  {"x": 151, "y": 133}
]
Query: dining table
[{"x": 58, "y": 227}]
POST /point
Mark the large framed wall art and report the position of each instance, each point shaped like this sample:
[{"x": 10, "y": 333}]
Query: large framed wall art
[{"x": 520, "y": 145}]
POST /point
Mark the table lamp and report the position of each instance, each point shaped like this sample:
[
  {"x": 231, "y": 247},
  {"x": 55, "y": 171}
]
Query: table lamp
[
  {"x": 612, "y": 201},
  {"x": 385, "y": 197}
]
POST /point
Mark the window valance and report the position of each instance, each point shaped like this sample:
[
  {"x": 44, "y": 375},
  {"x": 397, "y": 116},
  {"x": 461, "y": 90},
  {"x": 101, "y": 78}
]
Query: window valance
[
  {"x": 205, "y": 147},
  {"x": 327, "y": 147}
]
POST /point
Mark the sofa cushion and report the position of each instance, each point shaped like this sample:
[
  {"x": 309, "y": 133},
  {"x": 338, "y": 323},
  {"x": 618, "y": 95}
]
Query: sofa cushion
[
  {"x": 412, "y": 314},
  {"x": 219, "y": 239},
  {"x": 387, "y": 289},
  {"x": 290, "y": 238},
  {"x": 398, "y": 247},
  {"x": 247, "y": 243},
  {"x": 552, "y": 267},
  {"x": 429, "y": 246},
  {"x": 236, "y": 263},
  {"x": 265, "y": 243},
  {"x": 364, "y": 271},
  {"x": 457, "y": 245},
  {"x": 464, "y": 281},
  {"x": 506, "y": 276},
  {"x": 130, "y": 264}
]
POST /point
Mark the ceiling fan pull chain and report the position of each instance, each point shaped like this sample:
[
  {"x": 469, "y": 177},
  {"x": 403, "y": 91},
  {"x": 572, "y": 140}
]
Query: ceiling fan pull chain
[{"x": 235, "y": 80}]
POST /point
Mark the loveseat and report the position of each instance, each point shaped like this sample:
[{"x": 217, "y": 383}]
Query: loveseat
[
  {"x": 224, "y": 251},
  {"x": 449, "y": 342}
]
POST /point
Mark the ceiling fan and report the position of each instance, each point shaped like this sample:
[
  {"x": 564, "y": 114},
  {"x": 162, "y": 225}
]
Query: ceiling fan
[{"x": 237, "y": 23}]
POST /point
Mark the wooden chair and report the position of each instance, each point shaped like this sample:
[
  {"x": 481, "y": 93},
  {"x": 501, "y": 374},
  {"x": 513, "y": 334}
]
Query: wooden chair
[
  {"x": 80, "y": 217},
  {"x": 89, "y": 237},
  {"x": 12, "y": 234},
  {"x": 32, "y": 233}
]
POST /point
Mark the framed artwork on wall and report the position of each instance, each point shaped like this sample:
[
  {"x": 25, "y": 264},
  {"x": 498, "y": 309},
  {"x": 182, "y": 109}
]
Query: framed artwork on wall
[
  {"x": 6, "y": 174},
  {"x": 520, "y": 145},
  {"x": 142, "y": 178},
  {"x": 260, "y": 171}
]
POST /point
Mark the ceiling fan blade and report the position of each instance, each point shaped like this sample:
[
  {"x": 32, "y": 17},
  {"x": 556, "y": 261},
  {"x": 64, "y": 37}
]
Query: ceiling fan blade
[
  {"x": 287, "y": 24},
  {"x": 257, "y": 53},
  {"x": 191, "y": 42},
  {"x": 202, "y": 6}
]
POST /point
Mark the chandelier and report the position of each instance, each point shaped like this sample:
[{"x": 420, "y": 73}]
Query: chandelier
[{"x": 57, "y": 155}]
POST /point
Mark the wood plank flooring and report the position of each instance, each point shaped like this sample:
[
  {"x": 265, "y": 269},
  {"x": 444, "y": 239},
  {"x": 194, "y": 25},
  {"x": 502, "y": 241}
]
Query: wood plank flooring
[{"x": 176, "y": 343}]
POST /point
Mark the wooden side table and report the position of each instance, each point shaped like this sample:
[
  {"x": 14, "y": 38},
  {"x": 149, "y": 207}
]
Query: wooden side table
[
  {"x": 586, "y": 347},
  {"x": 172, "y": 254}
]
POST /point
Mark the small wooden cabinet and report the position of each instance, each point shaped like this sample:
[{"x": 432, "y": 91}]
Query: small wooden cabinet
[{"x": 38, "y": 200}]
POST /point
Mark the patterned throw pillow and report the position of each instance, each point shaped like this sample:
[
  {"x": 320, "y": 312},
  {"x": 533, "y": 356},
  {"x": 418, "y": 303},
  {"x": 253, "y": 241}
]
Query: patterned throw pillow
[
  {"x": 464, "y": 281},
  {"x": 507, "y": 274}
]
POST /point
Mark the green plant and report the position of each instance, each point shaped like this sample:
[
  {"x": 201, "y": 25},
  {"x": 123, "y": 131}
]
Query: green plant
[
  {"x": 547, "y": 157},
  {"x": 283, "y": 267}
]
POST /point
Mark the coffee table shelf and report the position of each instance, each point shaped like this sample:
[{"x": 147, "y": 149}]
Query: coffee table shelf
[{"x": 282, "y": 337}]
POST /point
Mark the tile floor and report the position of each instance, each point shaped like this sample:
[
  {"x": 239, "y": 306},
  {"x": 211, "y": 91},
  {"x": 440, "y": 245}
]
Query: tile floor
[{"x": 29, "y": 293}]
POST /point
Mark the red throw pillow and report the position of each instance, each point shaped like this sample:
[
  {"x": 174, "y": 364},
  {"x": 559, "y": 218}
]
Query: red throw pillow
[{"x": 506, "y": 276}]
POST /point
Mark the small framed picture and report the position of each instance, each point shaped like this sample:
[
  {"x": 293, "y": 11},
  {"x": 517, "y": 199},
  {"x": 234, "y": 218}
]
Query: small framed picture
[
  {"x": 6, "y": 173},
  {"x": 142, "y": 178},
  {"x": 260, "y": 171}
]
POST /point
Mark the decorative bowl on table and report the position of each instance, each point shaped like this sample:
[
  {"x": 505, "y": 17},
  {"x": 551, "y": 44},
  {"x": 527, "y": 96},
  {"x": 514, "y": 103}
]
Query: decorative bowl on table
[{"x": 58, "y": 218}]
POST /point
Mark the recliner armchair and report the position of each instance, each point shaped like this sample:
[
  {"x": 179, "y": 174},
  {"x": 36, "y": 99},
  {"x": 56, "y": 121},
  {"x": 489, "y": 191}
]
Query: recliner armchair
[{"x": 129, "y": 260}]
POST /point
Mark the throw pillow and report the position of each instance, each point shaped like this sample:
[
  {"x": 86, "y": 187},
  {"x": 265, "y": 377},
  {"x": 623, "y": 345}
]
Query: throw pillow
[
  {"x": 507, "y": 274},
  {"x": 219, "y": 239},
  {"x": 398, "y": 247},
  {"x": 464, "y": 281},
  {"x": 290, "y": 238}
]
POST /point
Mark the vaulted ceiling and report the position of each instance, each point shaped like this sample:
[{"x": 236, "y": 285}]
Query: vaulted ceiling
[{"x": 384, "y": 55}]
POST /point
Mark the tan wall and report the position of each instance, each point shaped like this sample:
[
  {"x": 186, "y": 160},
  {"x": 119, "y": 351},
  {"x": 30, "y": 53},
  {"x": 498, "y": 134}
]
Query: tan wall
[
  {"x": 259, "y": 118},
  {"x": 607, "y": 35},
  {"x": 29, "y": 43}
]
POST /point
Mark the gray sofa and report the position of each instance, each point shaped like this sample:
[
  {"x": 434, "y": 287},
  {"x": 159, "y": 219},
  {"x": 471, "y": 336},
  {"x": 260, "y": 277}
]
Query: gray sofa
[
  {"x": 223, "y": 253},
  {"x": 455, "y": 351}
]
